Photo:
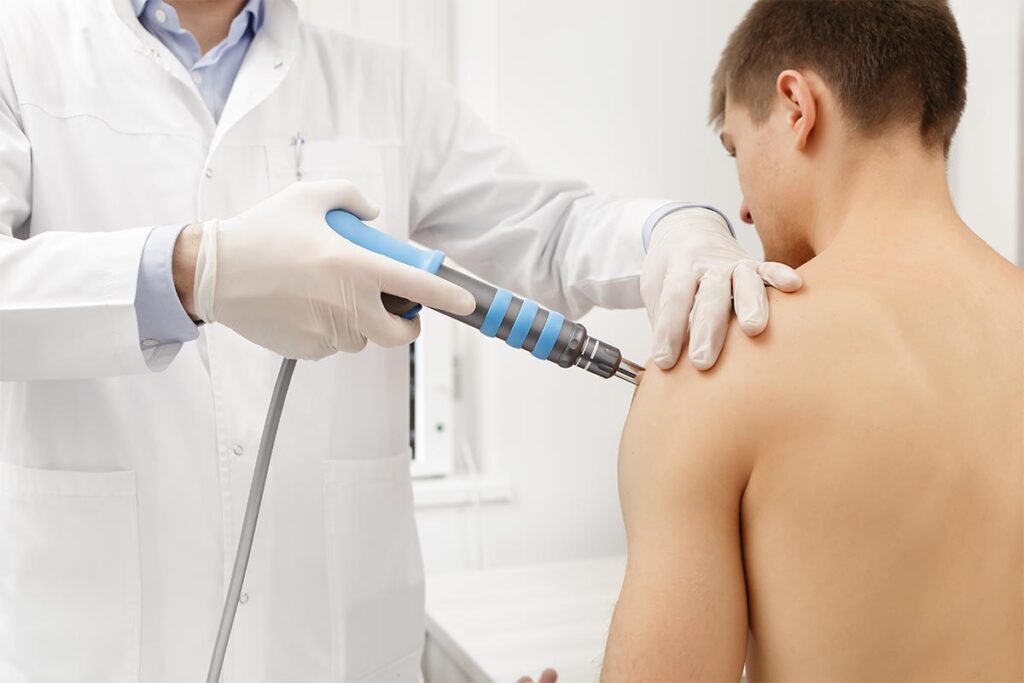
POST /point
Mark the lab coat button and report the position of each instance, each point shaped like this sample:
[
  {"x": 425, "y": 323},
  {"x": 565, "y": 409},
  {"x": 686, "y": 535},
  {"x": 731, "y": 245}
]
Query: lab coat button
[
  {"x": 243, "y": 598},
  {"x": 150, "y": 343},
  {"x": 238, "y": 450},
  {"x": 197, "y": 77},
  {"x": 160, "y": 15},
  {"x": 208, "y": 173}
]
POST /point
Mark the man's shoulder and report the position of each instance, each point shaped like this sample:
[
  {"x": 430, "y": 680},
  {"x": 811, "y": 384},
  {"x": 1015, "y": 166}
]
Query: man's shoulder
[
  {"x": 835, "y": 315},
  {"x": 813, "y": 338}
]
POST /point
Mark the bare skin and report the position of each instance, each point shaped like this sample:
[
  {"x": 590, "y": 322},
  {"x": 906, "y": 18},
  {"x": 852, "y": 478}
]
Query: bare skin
[
  {"x": 841, "y": 498},
  {"x": 207, "y": 20},
  {"x": 183, "y": 266}
]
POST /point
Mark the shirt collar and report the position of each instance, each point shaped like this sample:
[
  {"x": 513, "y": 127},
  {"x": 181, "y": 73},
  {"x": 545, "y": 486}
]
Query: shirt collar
[{"x": 253, "y": 7}]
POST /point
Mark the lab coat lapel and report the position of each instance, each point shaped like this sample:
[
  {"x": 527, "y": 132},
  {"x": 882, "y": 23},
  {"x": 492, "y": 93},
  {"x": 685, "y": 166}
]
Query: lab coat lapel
[
  {"x": 265, "y": 65},
  {"x": 150, "y": 47}
]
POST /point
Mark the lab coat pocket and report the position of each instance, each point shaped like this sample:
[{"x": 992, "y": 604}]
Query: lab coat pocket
[
  {"x": 375, "y": 570},
  {"x": 69, "y": 576}
]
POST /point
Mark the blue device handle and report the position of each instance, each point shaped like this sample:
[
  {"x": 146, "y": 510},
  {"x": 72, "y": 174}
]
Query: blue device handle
[{"x": 361, "y": 234}]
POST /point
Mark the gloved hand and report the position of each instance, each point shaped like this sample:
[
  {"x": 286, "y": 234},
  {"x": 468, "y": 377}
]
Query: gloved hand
[
  {"x": 694, "y": 263},
  {"x": 280, "y": 277}
]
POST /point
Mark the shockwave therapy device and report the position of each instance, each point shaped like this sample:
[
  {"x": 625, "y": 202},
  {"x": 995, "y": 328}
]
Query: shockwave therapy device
[{"x": 520, "y": 323}]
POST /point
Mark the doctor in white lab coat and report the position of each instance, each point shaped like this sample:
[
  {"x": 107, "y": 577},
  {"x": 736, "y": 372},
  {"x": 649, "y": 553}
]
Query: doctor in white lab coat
[{"x": 128, "y": 432}]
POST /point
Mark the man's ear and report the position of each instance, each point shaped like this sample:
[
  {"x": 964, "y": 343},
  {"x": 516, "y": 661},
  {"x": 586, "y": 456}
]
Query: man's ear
[{"x": 799, "y": 103}]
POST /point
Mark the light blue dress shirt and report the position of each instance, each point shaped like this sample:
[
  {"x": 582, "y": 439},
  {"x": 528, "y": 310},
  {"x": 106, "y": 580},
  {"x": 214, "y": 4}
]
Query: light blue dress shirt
[{"x": 161, "y": 318}]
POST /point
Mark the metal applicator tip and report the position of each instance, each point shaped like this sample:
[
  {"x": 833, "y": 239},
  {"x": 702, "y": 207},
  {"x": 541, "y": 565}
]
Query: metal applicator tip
[{"x": 630, "y": 371}]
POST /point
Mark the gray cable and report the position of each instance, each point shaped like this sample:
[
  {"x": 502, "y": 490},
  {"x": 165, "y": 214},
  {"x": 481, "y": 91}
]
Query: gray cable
[{"x": 252, "y": 512}]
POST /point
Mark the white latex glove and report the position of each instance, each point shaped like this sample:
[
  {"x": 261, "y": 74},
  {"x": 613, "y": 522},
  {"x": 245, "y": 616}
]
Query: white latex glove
[
  {"x": 694, "y": 263},
  {"x": 280, "y": 277}
]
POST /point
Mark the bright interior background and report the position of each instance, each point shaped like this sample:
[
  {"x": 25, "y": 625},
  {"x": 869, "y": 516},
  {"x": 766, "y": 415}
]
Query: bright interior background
[{"x": 616, "y": 93}]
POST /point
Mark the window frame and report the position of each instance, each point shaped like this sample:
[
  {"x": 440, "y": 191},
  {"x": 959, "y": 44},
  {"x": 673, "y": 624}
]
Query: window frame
[{"x": 432, "y": 397}]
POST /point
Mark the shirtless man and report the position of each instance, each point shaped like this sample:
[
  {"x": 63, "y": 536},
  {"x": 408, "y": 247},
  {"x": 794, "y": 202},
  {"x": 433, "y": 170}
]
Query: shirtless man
[{"x": 842, "y": 497}]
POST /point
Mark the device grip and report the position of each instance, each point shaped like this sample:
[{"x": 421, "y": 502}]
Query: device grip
[{"x": 359, "y": 233}]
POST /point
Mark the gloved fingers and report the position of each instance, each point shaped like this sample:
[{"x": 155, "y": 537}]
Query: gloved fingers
[
  {"x": 672, "y": 318},
  {"x": 750, "y": 301},
  {"x": 709, "y": 320},
  {"x": 780, "y": 276},
  {"x": 652, "y": 280},
  {"x": 423, "y": 287},
  {"x": 341, "y": 194},
  {"x": 348, "y": 339},
  {"x": 317, "y": 351},
  {"x": 387, "y": 330}
]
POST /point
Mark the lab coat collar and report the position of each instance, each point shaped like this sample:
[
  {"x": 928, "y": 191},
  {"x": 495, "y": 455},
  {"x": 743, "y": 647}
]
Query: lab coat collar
[
  {"x": 267, "y": 62},
  {"x": 149, "y": 46}
]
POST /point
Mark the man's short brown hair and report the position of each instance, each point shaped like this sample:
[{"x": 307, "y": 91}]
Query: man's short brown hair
[{"x": 887, "y": 61}]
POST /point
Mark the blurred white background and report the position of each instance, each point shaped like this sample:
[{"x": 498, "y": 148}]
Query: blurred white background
[{"x": 616, "y": 93}]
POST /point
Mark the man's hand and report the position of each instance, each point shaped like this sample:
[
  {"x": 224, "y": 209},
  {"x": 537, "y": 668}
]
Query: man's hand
[
  {"x": 694, "y": 273},
  {"x": 279, "y": 276}
]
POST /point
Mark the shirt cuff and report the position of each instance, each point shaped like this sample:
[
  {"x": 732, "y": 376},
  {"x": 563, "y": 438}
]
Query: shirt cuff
[
  {"x": 161, "y": 317},
  {"x": 652, "y": 221}
]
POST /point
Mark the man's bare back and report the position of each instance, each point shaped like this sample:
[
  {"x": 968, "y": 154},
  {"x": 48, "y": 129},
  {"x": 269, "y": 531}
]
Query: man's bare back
[
  {"x": 876, "y": 494},
  {"x": 842, "y": 497},
  {"x": 883, "y": 518}
]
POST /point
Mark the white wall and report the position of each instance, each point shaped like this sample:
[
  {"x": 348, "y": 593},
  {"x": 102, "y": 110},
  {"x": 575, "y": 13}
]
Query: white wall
[
  {"x": 1020, "y": 130},
  {"x": 985, "y": 163},
  {"x": 616, "y": 92}
]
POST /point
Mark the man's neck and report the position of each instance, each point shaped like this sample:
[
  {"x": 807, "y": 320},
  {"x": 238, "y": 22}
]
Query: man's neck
[
  {"x": 885, "y": 194},
  {"x": 207, "y": 20}
]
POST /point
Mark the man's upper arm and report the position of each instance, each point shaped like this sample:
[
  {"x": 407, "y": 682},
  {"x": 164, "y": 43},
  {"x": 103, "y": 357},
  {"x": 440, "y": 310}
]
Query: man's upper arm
[
  {"x": 683, "y": 465},
  {"x": 59, "y": 283}
]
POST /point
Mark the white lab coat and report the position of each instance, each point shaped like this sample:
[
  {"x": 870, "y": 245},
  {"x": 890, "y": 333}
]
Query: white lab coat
[{"x": 123, "y": 474}]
